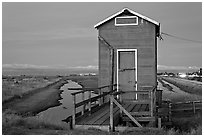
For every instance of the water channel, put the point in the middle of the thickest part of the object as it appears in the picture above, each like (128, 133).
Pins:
(57, 114)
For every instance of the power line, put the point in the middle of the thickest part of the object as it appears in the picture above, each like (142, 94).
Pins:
(170, 35)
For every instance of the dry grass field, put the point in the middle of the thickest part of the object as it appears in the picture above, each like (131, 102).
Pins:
(13, 123)
(18, 86)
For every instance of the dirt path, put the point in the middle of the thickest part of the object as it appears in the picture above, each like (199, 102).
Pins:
(38, 101)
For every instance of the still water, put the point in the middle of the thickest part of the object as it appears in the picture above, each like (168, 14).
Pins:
(59, 113)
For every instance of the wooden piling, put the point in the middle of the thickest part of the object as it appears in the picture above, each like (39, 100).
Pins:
(74, 111)
(111, 114)
(89, 105)
(83, 107)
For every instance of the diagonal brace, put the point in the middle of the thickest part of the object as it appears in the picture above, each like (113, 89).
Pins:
(126, 112)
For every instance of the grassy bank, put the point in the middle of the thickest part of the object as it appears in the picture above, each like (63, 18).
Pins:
(18, 86)
(36, 100)
(186, 86)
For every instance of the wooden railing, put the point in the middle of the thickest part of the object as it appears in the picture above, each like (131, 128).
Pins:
(151, 101)
(100, 98)
(187, 106)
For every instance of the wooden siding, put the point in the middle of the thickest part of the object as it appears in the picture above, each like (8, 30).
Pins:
(141, 37)
(104, 65)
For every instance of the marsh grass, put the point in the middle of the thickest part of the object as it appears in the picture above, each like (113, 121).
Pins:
(11, 120)
(18, 86)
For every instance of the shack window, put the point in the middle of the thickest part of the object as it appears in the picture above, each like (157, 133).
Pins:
(126, 20)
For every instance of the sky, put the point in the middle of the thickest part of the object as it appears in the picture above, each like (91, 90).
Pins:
(63, 34)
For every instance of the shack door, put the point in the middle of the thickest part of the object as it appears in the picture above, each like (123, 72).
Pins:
(127, 72)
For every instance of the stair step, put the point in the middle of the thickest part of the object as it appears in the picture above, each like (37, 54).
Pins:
(139, 118)
(137, 101)
(140, 113)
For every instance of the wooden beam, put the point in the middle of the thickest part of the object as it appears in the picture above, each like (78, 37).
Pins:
(137, 101)
(89, 105)
(140, 113)
(111, 114)
(83, 108)
(99, 101)
(93, 99)
(140, 119)
(127, 113)
(152, 103)
(74, 111)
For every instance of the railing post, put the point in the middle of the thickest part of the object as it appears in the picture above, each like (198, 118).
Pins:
(83, 107)
(111, 114)
(74, 111)
(152, 103)
(89, 107)
(99, 101)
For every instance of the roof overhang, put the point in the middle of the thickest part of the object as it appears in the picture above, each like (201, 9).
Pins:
(131, 11)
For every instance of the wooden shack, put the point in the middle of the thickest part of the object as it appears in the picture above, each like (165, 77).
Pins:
(132, 39)
(128, 55)
(127, 83)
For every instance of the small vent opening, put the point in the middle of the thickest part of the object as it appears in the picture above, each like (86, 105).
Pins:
(126, 20)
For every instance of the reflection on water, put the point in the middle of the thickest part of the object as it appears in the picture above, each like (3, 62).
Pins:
(57, 114)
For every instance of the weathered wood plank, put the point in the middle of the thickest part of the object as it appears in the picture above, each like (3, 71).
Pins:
(93, 98)
(136, 108)
(73, 112)
(128, 114)
(130, 108)
(137, 101)
(111, 114)
(96, 111)
(140, 113)
(105, 117)
(143, 107)
(116, 113)
(140, 118)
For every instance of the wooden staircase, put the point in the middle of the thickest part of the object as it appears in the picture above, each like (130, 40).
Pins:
(142, 109)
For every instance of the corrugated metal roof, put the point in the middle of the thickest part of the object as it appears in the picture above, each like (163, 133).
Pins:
(131, 11)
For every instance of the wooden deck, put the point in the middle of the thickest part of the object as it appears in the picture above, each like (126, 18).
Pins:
(112, 112)
(102, 116)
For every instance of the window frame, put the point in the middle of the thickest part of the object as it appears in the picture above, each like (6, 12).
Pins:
(125, 17)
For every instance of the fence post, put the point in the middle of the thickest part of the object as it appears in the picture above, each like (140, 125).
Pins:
(83, 107)
(194, 109)
(74, 111)
(111, 114)
(89, 103)
(170, 107)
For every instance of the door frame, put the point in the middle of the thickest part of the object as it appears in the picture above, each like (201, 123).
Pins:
(135, 50)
